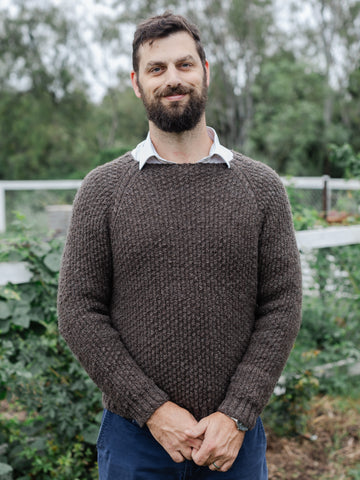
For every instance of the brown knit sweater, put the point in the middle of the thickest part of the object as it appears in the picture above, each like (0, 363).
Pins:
(182, 283)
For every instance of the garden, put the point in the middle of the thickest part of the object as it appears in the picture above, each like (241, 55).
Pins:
(284, 90)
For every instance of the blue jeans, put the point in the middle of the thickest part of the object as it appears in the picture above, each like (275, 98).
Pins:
(128, 452)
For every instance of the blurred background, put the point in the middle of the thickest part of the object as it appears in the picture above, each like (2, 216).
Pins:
(285, 90)
(285, 81)
(285, 84)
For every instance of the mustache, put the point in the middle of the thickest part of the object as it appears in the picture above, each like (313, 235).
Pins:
(178, 90)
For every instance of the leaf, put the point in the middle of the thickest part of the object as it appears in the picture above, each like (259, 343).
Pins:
(4, 311)
(38, 444)
(21, 316)
(4, 326)
(40, 249)
(90, 434)
(52, 261)
(23, 321)
(8, 293)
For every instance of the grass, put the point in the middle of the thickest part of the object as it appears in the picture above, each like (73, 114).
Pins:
(329, 450)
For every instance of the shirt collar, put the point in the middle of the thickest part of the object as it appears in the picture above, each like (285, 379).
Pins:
(145, 152)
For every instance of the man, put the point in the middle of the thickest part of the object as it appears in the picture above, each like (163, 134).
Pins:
(180, 288)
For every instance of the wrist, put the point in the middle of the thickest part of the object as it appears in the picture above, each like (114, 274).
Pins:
(239, 425)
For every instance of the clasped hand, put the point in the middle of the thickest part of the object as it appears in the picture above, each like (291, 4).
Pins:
(215, 439)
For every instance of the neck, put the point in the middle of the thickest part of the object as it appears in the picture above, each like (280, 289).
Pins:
(185, 147)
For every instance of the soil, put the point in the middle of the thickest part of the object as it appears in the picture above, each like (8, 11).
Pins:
(329, 450)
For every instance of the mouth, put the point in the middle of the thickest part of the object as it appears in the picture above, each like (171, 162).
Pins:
(175, 98)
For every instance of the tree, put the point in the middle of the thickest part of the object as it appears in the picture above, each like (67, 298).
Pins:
(331, 39)
(45, 112)
(289, 130)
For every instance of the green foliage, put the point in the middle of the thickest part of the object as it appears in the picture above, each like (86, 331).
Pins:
(40, 376)
(121, 119)
(43, 138)
(45, 115)
(267, 98)
(287, 412)
(329, 334)
(304, 217)
(345, 157)
(288, 129)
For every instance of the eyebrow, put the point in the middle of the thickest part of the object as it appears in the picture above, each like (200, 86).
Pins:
(187, 58)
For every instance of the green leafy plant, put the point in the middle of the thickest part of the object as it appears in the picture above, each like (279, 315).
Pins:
(304, 217)
(345, 157)
(39, 375)
(287, 411)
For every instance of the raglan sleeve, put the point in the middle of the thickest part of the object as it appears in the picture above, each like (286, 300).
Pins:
(84, 299)
(278, 306)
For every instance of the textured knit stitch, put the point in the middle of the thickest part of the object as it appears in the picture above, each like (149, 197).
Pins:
(182, 283)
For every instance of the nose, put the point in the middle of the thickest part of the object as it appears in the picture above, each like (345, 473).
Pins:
(172, 76)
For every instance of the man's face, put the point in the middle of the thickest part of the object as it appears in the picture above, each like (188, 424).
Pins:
(172, 82)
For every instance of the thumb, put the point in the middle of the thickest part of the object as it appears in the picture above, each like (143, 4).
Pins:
(196, 431)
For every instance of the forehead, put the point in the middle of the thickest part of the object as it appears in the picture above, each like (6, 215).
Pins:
(168, 49)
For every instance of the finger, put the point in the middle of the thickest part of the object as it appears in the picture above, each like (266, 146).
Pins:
(194, 443)
(177, 456)
(206, 454)
(216, 466)
(197, 431)
(226, 465)
(186, 453)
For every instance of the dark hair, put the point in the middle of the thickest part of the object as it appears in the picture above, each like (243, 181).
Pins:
(162, 26)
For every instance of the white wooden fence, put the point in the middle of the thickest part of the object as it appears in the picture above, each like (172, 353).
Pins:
(328, 237)
(325, 183)
(31, 185)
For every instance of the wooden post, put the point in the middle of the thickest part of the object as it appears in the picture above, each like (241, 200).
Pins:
(326, 195)
(2, 210)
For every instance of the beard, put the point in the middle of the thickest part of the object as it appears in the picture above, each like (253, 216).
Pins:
(176, 117)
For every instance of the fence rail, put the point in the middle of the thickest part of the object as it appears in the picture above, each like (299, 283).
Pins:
(324, 183)
(21, 185)
(317, 183)
(328, 237)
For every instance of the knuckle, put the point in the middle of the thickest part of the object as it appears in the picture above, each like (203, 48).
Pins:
(211, 448)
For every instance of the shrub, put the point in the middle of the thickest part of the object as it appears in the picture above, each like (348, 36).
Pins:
(40, 376)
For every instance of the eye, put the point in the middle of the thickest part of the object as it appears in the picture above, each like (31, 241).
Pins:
(156, 69)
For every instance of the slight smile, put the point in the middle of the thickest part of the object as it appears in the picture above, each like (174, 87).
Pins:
(175, 98)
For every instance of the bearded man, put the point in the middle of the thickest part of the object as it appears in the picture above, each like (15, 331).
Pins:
(180, 285)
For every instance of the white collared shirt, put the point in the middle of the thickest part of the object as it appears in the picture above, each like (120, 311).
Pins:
(145, 152)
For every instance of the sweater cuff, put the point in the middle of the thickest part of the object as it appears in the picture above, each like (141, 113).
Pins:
(140, 411)
(241, 409)
(153, 403)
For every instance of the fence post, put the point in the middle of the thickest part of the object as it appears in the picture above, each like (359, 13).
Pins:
(2, 209)
(326, 195)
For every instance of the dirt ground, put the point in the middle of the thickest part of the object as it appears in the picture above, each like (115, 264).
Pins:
(329, 450)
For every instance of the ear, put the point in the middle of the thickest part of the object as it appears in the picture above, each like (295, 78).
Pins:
(135, 85)
(207, 71)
